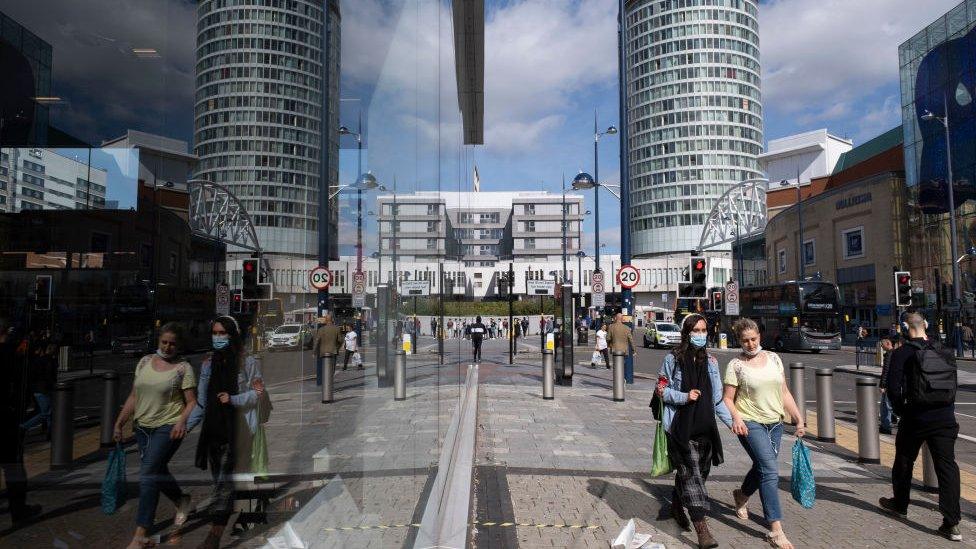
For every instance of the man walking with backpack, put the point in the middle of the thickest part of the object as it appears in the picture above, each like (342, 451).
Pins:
(922, 388)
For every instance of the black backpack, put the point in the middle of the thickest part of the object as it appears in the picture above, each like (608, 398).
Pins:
(932, 381)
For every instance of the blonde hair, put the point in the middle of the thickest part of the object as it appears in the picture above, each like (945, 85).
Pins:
(743, 324)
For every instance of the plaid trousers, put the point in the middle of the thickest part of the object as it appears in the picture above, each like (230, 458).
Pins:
(689, 482)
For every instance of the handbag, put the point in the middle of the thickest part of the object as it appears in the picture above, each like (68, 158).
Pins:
(113, 485)
(264, 407)
(803, 486)
(596, 358)
(660, 459)
(259, 452)
(357, 359)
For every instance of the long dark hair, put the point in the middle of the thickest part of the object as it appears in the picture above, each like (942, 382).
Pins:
(685, 349)
(236, 343)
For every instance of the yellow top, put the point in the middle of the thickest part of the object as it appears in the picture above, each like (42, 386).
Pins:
(759, 394)
(159, 395)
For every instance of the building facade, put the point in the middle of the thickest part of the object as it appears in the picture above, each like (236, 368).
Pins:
(480, 228)
(694, 114)
(266, 114)
(43, 179)
(937, 78)
(855, 232)
(26, 62)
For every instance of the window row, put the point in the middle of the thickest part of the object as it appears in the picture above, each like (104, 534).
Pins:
(250, 160)
(699, 102)
(310, 20)
(251, 132)
(698, 130)
(647, 18)
(258, 117)
(284, 222)
(222, 147)
(705, 145)
(277, 89)
(254, 73)
(241, 102)
(664, 221)
(686, 160)
(635, 85)
(696, 88)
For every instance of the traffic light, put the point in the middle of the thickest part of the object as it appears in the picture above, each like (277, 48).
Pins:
(237, 305)
(249, 279)
(717, 302)
(698, 269)
(503, 285)
(903, 289)
(42, 293)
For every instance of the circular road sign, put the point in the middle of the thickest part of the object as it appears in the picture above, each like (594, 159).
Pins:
(597, 287)
(320, 278)
(628, 277)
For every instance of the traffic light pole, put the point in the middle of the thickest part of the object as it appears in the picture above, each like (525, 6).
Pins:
(627, 296)
(511, 316)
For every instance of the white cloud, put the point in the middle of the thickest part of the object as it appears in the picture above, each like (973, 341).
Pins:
(822, 59)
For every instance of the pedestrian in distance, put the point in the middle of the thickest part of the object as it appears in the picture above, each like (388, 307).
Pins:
(162, 398)
(351, 346)
(327, 341)
(433, 327)
(43, 376)
(14, 396)
(602, 347)
(230, 389)
(922, 383)
(759, 400)
(620, 338)
(967, 339)
(888, 345)
(478, 332)
(516, 333)
(691, 389)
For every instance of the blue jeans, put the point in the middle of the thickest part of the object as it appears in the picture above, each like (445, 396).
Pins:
(155, 451)
(763, 444)
(43, 414)
(886, 413)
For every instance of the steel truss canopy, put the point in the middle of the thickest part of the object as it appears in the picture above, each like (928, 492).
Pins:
(741, 209)
(469, 64)
(216, 213)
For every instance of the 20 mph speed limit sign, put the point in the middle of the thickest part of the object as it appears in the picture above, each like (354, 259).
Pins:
(628, 277)
(320, 278)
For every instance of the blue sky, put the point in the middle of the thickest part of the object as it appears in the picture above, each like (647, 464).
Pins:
(548, 65)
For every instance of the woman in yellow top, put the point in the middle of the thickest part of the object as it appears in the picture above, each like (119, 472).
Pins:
(163, 395)
(757, 396)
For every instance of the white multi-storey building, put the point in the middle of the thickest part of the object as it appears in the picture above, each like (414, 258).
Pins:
(43, 179)
(266, 105)
(694, 114)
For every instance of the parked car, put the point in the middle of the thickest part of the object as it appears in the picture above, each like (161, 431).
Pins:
(662, 334)
(290, 336)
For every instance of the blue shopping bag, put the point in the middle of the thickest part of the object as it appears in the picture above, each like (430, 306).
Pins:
(803, 486)
(113, 486)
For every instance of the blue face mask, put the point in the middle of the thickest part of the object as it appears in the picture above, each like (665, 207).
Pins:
(699, 340)
(221, 341)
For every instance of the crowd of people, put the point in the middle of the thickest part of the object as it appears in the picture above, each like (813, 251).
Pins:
(753, 401)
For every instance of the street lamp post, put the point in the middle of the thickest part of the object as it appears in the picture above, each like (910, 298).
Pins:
(953, 236)
(611, 130)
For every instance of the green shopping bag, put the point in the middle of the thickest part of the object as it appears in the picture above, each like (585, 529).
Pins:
(661, 461)
(259, 453)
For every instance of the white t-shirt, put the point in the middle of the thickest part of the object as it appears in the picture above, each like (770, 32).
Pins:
(601, 339)
(351, 340)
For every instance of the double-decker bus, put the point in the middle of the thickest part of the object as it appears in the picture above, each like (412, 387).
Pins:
(796, 315)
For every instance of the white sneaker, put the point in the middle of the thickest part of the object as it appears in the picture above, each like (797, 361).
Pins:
(183, 509)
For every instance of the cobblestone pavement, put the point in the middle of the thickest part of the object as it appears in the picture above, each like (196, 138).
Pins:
(563, 473)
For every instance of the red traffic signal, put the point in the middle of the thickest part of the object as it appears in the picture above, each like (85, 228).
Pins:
(250, 266)
(698, 265)
(903, 289)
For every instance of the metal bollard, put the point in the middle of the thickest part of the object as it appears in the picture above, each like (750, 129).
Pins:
(63, 426)
(797, 372)
(825, 405)
(868, 440)
(110, 407)
(548, 374)
(326, 367)
(618, 376)
(400, 375)
(929, 479)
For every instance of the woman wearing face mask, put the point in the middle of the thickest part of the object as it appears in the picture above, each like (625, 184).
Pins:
(757, 395)
(230, 387)
(691, 388)
(161, 400)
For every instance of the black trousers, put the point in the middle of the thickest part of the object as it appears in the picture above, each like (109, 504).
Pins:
(476, 344)
(941, 440)
(12, 463)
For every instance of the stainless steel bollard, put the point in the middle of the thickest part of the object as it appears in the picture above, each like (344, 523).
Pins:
(929, 479)
(797, 372)
(825, 405)
(618, 376)
(328, 365)
(63, 426)
(110, 408)
(64, 358)
(400, 375)
(548, 374)
(868, 439)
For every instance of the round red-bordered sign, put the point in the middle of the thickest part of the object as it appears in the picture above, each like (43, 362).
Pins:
(628, 277)
(320, 278)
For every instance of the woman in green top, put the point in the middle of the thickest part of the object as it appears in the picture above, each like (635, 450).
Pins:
(757, 396)
(163, 395)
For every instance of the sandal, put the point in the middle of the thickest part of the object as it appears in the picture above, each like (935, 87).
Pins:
(739, 504)
(778, 540)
